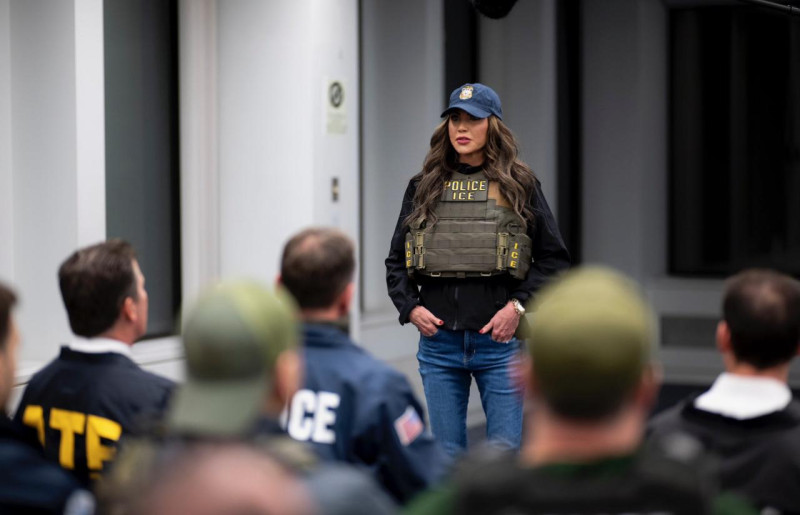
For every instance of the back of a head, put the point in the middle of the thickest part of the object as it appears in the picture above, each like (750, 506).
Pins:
(590, 343)
(316, 266)
(94, 283)
(8, 363)
(233, 338)
(762, 310)
(7, 301)
(230, 478)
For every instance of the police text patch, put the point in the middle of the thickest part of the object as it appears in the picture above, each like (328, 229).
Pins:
(466, 190)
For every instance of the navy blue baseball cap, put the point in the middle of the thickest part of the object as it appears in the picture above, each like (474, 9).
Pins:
(478, 100)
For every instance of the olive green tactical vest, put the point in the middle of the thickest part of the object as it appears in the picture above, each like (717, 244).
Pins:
(475, 235)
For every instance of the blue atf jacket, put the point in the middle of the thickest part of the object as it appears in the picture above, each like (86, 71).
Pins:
(31, 484)
(357, 409)
(81, 404)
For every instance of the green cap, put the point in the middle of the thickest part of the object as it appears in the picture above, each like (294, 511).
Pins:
(590, 341)
(232, 339)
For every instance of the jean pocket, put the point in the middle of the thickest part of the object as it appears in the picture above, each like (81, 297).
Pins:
(513, 340)
(426, 339)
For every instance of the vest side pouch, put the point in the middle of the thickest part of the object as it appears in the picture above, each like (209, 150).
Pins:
(409, 253)
(414, 250)
(519, 255)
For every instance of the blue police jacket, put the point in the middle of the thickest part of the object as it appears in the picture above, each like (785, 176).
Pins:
(357, 409)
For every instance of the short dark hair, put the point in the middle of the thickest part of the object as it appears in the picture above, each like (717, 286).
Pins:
(317, 265)
(762, 310)
(7, 301)
(94, 282)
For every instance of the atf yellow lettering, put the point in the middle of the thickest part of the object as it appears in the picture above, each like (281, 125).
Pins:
(69, 423)
(96, 452)
(34, 417)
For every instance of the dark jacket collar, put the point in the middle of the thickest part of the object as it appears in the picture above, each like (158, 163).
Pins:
(91, 357)
(325, 334)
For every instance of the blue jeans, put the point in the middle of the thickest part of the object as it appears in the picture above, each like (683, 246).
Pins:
(447, 362)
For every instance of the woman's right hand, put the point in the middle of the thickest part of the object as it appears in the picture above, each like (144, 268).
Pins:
(425, 321)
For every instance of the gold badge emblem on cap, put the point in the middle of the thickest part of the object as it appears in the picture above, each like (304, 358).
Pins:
(466, 93)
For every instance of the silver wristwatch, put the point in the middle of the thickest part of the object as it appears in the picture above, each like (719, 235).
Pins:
(518, 307)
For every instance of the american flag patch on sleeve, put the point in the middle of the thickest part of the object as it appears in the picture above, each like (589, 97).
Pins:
(408, 426)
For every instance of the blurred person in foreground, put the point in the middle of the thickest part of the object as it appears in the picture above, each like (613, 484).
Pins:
(352, 407)
(748, 417)
(28, 482)
(591, 383)
(223, 478)
(241, 370)
(93, 393)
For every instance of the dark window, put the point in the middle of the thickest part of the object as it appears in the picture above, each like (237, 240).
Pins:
(142, 149)
(735, 143)
(460, 45)
(569, 109)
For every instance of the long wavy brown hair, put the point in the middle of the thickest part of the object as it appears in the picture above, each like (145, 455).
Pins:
(501, 164)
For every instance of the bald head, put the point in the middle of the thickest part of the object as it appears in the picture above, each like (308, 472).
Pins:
(317, 266)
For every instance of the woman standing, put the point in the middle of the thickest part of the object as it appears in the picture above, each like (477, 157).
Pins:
(474, 240)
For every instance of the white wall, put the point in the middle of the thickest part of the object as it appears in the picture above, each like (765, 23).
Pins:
(335, 51)
(200, 235)
(276, 159)
(57, 155)
(403, 81)
(265, 131)
(517, 58)
(6, 175)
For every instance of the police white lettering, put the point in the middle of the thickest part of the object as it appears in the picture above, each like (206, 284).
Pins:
(300, 426)
(312, 415)
(325, 417)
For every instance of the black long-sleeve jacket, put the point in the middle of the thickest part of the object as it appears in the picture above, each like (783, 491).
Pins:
(471, 302)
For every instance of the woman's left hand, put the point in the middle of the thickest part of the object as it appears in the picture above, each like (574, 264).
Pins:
(503, 324)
